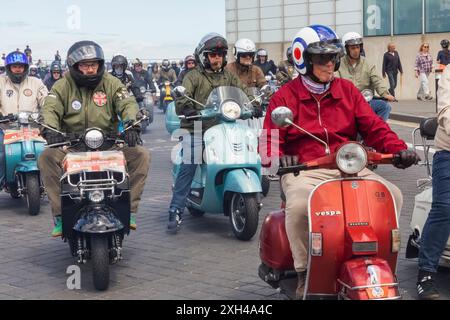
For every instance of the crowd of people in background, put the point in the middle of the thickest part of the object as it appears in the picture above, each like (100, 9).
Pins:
(283, 72)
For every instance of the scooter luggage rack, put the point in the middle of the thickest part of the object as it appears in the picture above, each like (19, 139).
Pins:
(84, 184)
(395, 284)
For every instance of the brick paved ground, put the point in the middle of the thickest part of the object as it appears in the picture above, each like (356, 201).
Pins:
(204, 261)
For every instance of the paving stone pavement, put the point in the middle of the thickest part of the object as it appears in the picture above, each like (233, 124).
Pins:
(204, 261)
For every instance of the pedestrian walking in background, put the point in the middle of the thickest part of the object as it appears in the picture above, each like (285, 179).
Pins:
(443, 57)
(423, 68)
(391, 66)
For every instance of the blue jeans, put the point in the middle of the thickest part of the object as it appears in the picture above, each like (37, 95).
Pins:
(381, 108)
(392, 82)
(437, 228)
(192, 157)
(2, 159)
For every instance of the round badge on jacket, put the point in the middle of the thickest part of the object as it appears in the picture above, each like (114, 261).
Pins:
(27, 92)
(76, 105)
(100, 99)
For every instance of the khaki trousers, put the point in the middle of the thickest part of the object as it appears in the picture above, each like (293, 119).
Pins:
(297, 191)
(50, 165)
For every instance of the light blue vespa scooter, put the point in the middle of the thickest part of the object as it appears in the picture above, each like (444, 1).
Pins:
(229, 181)
(171, 118)
(23, 145)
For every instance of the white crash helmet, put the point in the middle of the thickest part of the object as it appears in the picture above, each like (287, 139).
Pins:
(244, 46)
(313, 40)
(352, 39)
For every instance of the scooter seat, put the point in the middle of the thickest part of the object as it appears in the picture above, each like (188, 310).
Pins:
(428, 128)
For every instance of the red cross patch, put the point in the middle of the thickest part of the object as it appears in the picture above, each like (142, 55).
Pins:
(100, 99)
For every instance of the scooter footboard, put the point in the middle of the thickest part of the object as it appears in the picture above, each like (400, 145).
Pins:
(367, 279)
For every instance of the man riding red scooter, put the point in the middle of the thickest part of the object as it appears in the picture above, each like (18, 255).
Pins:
(330, 112)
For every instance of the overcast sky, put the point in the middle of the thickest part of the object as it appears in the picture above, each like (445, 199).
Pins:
(136, 28)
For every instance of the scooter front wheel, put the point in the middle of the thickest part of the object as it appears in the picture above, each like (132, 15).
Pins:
(100, 261)
(33, 194)
(244, 215)
(265, 185)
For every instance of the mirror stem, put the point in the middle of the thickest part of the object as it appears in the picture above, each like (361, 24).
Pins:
(327, 148)
(189, 98)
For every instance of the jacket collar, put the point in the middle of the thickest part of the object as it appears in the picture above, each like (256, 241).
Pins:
(303, 93)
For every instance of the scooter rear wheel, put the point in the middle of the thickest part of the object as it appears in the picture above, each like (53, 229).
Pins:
(33, 194)
(243, 210)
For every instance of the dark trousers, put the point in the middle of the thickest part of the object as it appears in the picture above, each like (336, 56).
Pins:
(392, 82)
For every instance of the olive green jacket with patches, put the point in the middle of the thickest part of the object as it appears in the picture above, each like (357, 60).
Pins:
(364, 76)
(72, 109)
(199, 84)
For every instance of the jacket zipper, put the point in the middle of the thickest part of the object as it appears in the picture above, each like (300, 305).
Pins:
(320, 118)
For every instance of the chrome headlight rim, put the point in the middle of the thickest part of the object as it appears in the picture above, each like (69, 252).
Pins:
(94, 142)
(367, 94)
(96, 196)
(227, 113)
(346, 155)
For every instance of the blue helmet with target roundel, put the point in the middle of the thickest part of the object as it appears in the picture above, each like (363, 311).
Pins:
(312, 40)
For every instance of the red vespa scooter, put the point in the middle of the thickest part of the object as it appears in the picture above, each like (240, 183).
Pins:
(354, 237)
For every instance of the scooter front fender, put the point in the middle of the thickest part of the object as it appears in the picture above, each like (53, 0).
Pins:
(242, 181)
(26, 166)
(98, 220)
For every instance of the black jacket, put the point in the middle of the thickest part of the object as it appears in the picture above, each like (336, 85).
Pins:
(391, 63)
(268, 66)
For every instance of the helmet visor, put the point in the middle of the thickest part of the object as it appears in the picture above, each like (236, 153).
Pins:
(88, 52)
(326, 47)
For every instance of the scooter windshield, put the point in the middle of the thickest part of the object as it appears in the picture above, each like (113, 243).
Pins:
(221, 95)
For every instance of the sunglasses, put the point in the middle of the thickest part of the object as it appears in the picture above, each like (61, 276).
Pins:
(214, 54)
(323, 59)
(247, 55)
(426, 46)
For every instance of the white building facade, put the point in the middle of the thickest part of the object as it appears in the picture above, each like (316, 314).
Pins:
(272, 24)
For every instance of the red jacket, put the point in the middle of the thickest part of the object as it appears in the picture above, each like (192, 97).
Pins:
(335, 117)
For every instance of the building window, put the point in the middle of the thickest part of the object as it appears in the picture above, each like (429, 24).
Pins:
(377, 17)
(408, 16)
(437, 13)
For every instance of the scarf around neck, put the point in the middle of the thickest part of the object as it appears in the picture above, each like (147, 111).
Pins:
(315, 87)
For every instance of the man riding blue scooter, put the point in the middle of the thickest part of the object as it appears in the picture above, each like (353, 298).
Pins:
(19, 93)
(211, 54)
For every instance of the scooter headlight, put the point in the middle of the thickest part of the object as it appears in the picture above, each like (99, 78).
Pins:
(231, 110)
(96, 196)
(367, 94)
(94, 139)
(24, 118)
(351, 158)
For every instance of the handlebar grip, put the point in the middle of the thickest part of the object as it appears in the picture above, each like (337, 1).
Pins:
(295, 170)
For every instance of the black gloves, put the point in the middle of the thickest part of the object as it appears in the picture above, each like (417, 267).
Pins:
(258, 111)
(189, 112)
(133, 137)
(289, 161)
(405, 159)
(52, 137)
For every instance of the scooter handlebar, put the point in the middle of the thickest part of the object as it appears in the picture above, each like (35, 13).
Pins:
(294, 169)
